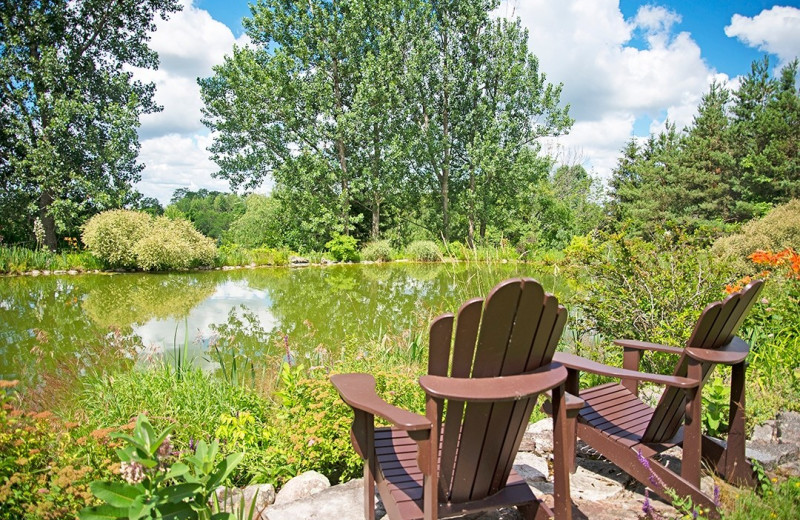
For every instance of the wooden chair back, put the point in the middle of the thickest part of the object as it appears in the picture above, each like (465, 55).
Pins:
(515, 330)
(716, 328)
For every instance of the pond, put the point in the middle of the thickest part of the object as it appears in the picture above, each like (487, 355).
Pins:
(57, 328)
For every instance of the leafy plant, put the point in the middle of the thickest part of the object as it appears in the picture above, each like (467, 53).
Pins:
(716, 402)
(424, 251)
(380, 251)
(154, 486)
(112, 235)
(343, 248)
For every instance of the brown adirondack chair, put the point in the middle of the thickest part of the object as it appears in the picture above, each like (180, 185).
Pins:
(623, 429)
(458, 458)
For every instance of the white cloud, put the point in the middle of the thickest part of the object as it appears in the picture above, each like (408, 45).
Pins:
(175, 161)
(174, 141)
(776, 31)
(588, 46)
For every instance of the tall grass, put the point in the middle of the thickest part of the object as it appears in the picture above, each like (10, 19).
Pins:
(18, 260)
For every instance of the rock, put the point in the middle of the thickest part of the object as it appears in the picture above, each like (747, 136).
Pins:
(342, 502)
(298, 260)
(788, 427)
(35, 272)
(302, 486)
(72, 271)
(59, 271)
(327, 261)
(232, 500)
(538, 437)
(771, 455)
(45, 272)
(764, 432)
(531, 467)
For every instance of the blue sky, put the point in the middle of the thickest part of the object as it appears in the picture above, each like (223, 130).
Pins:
(626, 66)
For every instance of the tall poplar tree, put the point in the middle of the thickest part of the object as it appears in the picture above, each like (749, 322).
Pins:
(68, 107)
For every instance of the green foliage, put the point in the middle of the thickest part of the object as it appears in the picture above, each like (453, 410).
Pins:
(263, 223)
(380, 251)
(46, 465)
(71, 108)
(651, 291)
(18, 260)
(211, 212)
(716, 401)
(362, 130)
(343, 248)
(734, 162)
(155, 485)
(779, 502)
(775, 231)
(424, 251)
(173, 244)
(112, 235)
(319, 437)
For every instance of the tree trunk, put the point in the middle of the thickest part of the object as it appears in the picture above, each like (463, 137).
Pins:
(471, 232)
(376, 220)
(48, 221)
(337, 92)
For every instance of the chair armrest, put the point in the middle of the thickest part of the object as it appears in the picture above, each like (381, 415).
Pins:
(502, 388)
(573, 402)
(358, 390)
(734, 352)
(585, 365)
(644, 345)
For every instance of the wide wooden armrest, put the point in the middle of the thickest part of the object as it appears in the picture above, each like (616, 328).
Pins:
(503, 388)
(644, 345)
(358, 390)
(585, 365)
(734, 352)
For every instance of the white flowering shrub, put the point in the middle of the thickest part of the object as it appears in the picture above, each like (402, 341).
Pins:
(174, 244)
(130, 239)
(112, 235)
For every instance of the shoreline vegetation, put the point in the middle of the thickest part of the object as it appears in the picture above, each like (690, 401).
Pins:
(620, 286)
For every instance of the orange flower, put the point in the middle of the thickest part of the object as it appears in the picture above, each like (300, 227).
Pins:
(761, 257)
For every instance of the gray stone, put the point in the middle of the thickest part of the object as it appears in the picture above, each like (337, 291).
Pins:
(72, 271)
(538, 437)
(771, 455)
(298, 260)
(788, 427)
(232, 500)
(532, 468)
(302, 486)
(342, 502)
(764, 432)
(327, 261)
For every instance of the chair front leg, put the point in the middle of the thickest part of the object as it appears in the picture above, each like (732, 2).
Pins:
(563, 455)
(692, 434)
(363, 436)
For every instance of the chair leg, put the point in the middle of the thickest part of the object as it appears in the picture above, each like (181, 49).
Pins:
(563, 455)
(737, 469)
(692, 435)
(369, 490)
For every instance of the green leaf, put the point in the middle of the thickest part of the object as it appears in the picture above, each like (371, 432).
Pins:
(114, 493)
(175, 494)
(177, 470)
(103, 512)
(223, 516)
(224, 469)
(178, 511)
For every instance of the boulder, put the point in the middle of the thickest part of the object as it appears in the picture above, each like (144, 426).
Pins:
(302, 486)
(538, 437)
(342, 502)
(298, 260)
(232, 500)
(788, 427)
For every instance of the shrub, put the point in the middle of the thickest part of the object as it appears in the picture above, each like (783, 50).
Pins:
(112, 235)
(424, 251)
(779, 229)
(46, 465)
(173, 244)
(651, 291)
(343, 248)
(380, 251)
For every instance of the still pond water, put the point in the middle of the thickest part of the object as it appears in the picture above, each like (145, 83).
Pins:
(61, 326)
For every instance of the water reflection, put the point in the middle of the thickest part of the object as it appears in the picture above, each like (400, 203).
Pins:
(78, 323)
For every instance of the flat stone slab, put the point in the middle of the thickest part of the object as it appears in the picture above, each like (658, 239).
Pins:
(341, 502)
